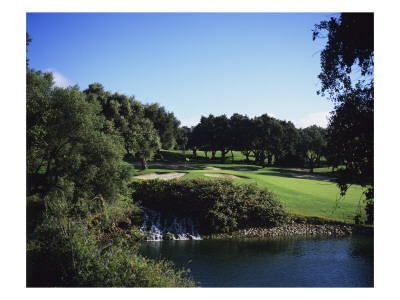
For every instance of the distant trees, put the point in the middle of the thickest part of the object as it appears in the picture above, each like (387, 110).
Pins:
(289, 154)
(203, 136)
(312, 144)
(264, 137)
(182, 139)
(242, 136)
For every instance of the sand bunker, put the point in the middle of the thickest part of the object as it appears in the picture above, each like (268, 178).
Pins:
(310, 176)
(166, 176)
(237, 169)
(243, 169)
(223, 175)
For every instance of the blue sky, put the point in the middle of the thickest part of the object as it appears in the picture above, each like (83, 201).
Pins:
(193, 64)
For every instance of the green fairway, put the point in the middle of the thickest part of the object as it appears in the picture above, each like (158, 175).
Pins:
(302, 196)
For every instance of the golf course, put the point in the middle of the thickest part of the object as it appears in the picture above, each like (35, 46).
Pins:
(199, 150)
(304, 195)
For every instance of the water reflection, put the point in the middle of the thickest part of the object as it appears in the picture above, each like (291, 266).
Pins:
(273, 261)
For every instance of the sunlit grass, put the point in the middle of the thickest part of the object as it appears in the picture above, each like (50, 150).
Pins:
(304, 197)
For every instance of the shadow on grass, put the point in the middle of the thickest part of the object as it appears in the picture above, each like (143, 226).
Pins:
(277, 172)
(180, 157)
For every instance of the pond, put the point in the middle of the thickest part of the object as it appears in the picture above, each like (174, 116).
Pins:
(296, 261)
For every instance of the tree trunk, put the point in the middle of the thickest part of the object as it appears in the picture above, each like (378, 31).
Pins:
(318, 160)
(144, 163)
(269, 159)
(213, 154)
(247, 154)
(223, 154)
(158, 155)
(262, 159)
(311, 164)
(195, 153)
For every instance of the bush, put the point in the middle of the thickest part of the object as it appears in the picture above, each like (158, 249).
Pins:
(218, 205)
(71, 249)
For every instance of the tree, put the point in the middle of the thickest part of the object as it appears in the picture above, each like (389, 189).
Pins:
(223, 135)
(28, 40)
(349, 53)
(266, 139)
(38, 101)
(274, 136)
(289, 154)
(241, 134)
(147, 141)
(350, 47)
(312, 144)
(351, 131)
(203, 135)
(67, 148)
(182, 140)
(126, 117)
(166, 124)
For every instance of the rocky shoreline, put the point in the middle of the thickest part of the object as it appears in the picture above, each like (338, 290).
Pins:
(297, 229)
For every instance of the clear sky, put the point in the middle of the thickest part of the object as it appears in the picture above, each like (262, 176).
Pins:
(193, 64)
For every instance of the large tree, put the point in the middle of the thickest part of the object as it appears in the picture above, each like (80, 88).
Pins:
(223, 135)
(182, 140)
(165, 123)
(349, 54)
(67, 147)
(126, 117)
(204, 136)
(266, 138)
(242, 133)
(312, 144)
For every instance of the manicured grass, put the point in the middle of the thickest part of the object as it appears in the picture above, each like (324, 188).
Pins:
(303, 197)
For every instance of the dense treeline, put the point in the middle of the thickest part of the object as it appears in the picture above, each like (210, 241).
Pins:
(266, 138)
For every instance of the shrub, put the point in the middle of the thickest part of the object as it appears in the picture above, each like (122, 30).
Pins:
(218, 205)
(71, 249)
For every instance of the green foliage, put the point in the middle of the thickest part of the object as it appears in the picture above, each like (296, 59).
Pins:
(67, 143)
(165, 123)
(312, 145)
(80, 246)
(267, 138)
(126, 117)
(350, 46)
(38, 100)
(182, 140)
(349, 53)
(264, 136)
(28, 40)
(302, 196)
(218, 205)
